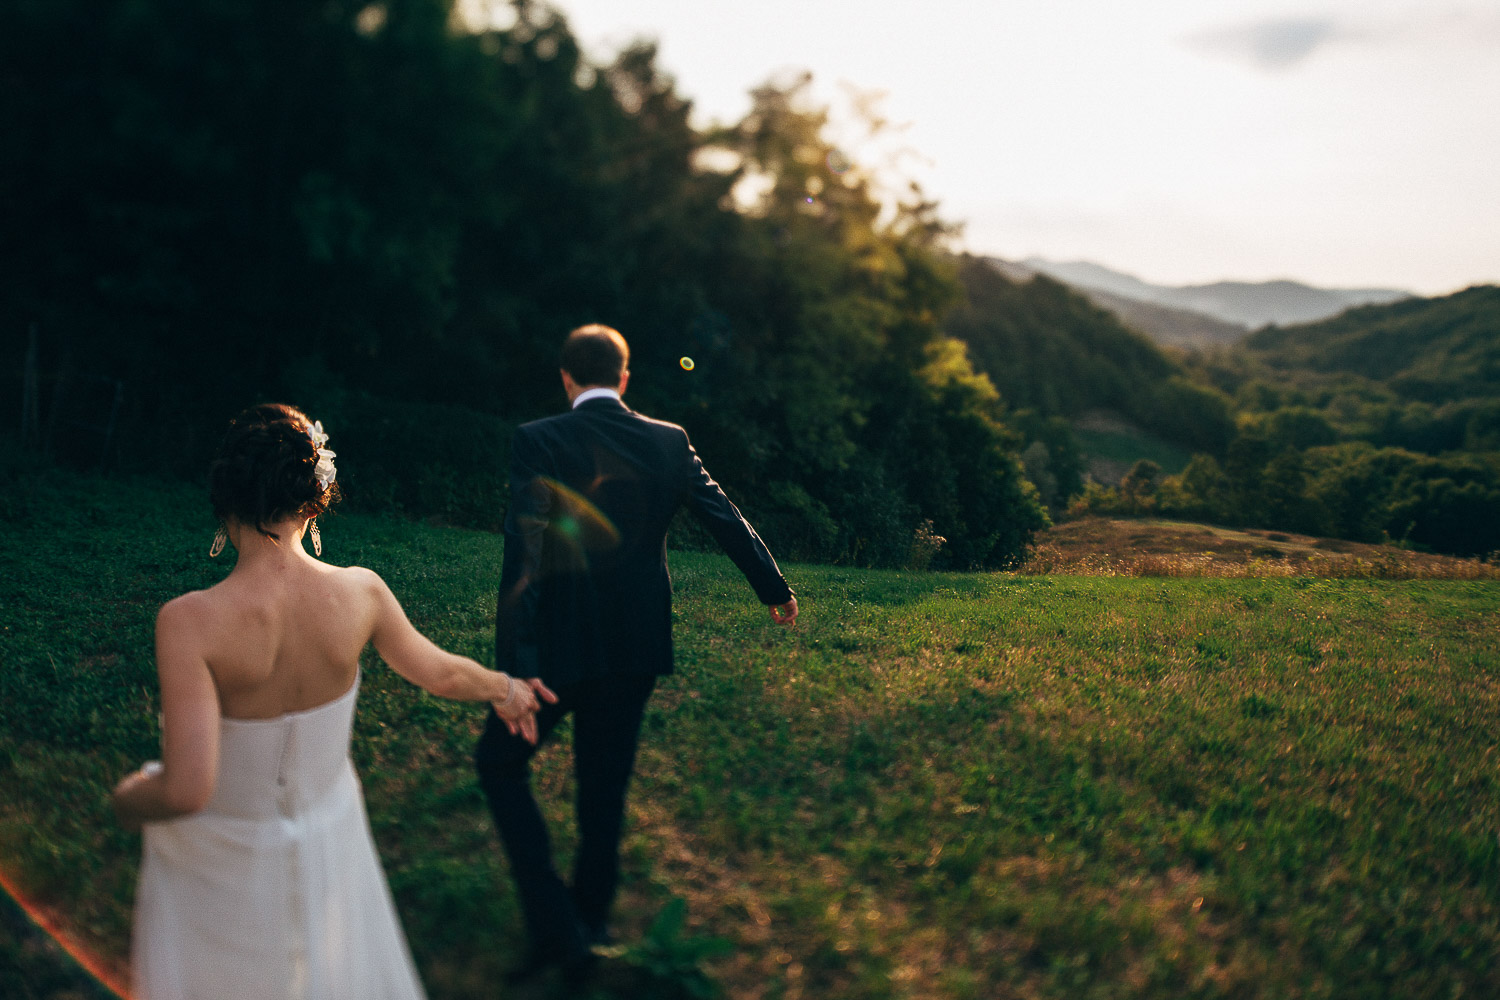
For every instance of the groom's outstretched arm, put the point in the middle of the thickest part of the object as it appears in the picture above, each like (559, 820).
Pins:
(520, 572)
(737, 538)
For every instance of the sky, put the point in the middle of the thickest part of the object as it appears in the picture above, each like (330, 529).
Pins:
(1344, 144)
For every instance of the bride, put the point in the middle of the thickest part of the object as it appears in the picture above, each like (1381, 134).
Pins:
(259, 877)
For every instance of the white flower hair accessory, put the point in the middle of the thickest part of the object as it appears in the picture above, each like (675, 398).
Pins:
(325, 473)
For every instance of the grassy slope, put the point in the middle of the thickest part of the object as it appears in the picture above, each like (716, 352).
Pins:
(936, 786)
(1097, 546)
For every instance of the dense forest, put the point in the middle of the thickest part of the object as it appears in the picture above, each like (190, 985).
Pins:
(391, 217)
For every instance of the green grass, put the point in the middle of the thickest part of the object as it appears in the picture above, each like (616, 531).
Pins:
(934, 786)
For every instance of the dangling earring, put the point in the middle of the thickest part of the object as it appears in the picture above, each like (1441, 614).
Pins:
(312, 529)
(221, 539)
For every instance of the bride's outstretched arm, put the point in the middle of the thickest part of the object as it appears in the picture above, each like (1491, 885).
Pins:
(184, 782)
(448, 675)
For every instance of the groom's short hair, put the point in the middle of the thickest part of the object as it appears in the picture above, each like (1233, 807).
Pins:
(595, 355)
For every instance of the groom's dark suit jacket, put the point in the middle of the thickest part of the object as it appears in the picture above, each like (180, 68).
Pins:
(584, 588)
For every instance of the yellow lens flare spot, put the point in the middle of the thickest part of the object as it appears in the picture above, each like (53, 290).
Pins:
(686, 363)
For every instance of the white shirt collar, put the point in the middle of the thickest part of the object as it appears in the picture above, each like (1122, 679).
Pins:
(598, 392)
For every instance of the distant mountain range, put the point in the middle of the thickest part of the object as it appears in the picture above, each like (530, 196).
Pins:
(1199, 315)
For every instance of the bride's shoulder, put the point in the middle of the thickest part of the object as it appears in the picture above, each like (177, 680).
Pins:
(188, 613)
(350, 574)
(356, 578)
(188, 605)
(359, 588)
(201, 603)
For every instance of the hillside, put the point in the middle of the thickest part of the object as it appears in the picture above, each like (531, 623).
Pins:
(1249, 304)
(1164, 547)
(1167, 326)
(1434, 350)
(1048, 348)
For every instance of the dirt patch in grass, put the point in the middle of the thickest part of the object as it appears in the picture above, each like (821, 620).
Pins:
(1118, 547)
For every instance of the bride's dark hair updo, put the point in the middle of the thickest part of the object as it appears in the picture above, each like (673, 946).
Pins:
(264, 471)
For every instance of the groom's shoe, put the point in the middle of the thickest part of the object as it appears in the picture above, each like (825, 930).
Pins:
(578, 970)
(534, 964)
(576, 967)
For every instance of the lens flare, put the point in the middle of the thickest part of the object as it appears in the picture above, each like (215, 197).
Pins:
(686, 363)
(48, 924)
(580, 531)
(837, 161)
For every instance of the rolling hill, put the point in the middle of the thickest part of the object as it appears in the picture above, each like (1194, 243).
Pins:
(1248, 304)
(1167, 326)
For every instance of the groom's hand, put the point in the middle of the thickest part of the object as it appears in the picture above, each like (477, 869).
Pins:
(784, 614)
(542, 691)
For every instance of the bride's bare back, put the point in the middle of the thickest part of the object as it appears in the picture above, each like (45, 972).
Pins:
(283, 638)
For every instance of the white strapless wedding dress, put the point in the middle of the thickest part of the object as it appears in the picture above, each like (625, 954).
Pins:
(274, 890)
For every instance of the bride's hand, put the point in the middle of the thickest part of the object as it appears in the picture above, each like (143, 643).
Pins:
(120, 799)
(519, 707)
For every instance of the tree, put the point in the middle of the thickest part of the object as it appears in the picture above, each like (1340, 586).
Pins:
(1139, 484)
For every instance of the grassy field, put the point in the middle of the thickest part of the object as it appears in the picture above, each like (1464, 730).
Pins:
(1098, 546)
(935, 786)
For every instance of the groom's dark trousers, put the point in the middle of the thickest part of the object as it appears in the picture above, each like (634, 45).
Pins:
(585, 604)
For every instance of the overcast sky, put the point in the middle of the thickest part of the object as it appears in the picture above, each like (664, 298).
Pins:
(1346, 143)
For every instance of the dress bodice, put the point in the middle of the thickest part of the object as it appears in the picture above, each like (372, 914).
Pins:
(287, 765)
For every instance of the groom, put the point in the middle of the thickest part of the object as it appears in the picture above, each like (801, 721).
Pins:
(585, 609)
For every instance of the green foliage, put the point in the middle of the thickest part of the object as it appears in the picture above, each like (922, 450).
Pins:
(1353, 491)
(371, 209)
(1433, 350)
(422, 459)
(674, 957)
(848, 381)
(937, 784)
(1376, 425)
(1049, 349)
(1421, 374)
(1297, 427)
(1127, 445)
(1141, 481)
(1056, 458)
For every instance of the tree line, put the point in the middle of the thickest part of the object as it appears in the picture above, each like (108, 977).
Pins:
(391, 218)
(1380, 424)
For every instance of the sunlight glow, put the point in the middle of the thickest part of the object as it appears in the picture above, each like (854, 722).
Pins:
(1185, 140)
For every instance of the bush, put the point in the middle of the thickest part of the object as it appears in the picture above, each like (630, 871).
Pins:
(796, 525)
